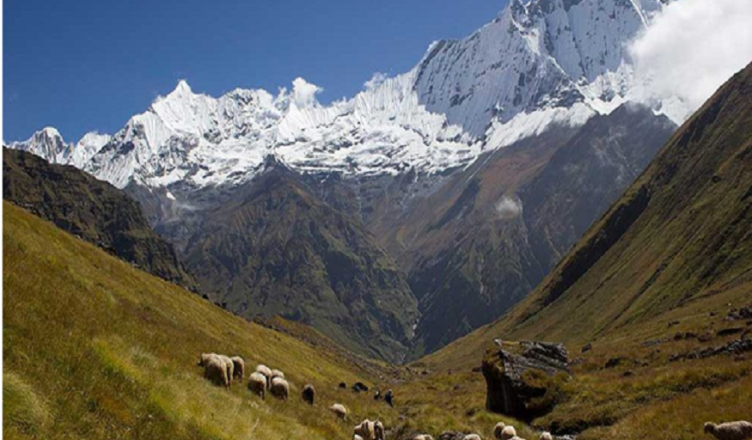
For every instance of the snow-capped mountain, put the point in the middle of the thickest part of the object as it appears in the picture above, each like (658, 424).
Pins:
(538, 63)
(49, 144)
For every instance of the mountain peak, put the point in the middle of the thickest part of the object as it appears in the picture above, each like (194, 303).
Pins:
(50, 132)
(182, 87)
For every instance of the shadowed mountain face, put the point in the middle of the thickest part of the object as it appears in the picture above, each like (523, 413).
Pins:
(276, 249)
(680, 236)
(91, 209)
(365, 260)
(519, 213)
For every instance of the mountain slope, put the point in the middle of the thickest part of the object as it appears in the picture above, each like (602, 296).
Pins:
(431, 162)
(521, 215)
(679, 239)
(93, 210)
(276, 249)
(122, 347)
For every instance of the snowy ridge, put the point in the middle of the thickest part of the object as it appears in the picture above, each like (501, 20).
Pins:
(538, 63)
(49, 144)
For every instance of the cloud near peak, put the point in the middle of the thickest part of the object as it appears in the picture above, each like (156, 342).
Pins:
(691, 48)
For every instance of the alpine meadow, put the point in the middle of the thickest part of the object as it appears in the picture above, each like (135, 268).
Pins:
(542, 230)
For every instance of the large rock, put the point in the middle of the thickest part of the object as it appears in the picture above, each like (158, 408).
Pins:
(525, 380)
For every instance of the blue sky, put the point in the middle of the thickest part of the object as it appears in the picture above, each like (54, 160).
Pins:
(83, 65)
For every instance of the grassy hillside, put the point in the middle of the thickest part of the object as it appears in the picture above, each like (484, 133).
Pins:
(656, 280)
(91, 209)
(96, 349)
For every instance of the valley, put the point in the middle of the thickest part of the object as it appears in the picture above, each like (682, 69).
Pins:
(511, 231)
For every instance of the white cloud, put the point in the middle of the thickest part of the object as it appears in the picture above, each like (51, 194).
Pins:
(692, 48)
(375, 80)
(304, 93)
(508, 208)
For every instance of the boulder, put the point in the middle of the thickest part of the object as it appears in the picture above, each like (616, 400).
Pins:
(525, 380)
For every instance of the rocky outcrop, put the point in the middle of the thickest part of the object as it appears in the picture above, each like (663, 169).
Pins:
(524, 380)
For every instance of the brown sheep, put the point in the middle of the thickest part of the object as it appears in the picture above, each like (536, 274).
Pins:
(257, 384)
(238, 366)
(741, 430)
(280, 388)
(309, 393)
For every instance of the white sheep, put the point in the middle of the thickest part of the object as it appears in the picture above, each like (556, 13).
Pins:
(280, 388)
(216, 371)
(546, 436)
(238, 365)
(266, 371)
(229, 366)
(471, 437)
(357, 437)
(257, 384)
(508, 433)
(339, 410)
(498, 429)
(741, 430)
(422, 437)
(365, 429)
(277, 373)
(378, 430)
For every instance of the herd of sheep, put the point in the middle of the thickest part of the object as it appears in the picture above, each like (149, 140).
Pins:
(221, 370)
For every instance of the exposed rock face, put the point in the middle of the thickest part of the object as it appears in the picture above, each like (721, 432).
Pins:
(522, 378)
(93, 210)
(274, 248)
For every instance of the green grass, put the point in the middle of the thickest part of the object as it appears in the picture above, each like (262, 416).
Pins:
(96, 349)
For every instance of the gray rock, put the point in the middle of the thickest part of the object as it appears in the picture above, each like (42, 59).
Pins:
(509, 390)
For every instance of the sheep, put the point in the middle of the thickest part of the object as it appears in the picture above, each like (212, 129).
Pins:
(546, 436)
(309, 392)
(266, 371)
(257, 384)
(508, 433)
(741, 430)
(422, 437)
(204, 358)
(216, 371)
(365, 429)
(277, 373)
(378, 430)
(238, 365)
(280, 388)
(229, 366)
(339, 410)
(471, 437)
(498, 430)
(357, 437)
(388, 396)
